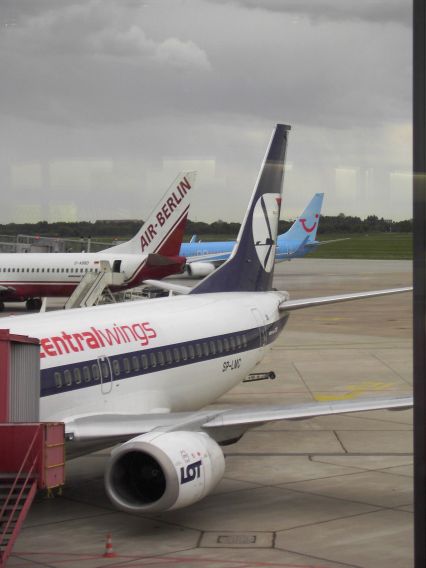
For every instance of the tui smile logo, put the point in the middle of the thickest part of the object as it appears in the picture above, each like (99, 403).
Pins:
(265, 224)
(312, 227)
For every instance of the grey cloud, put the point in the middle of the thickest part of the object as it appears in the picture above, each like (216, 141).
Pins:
(99, 27)
(124, 83)
(376, 11)
(133, 42)
(181, 54)
(91, 62)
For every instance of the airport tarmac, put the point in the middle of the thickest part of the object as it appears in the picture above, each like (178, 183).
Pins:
(326, 492)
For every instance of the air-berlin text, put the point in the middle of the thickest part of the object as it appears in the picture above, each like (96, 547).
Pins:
(166, 210)
(96, 338)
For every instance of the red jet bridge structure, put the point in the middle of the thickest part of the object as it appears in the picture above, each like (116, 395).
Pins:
(32, 453)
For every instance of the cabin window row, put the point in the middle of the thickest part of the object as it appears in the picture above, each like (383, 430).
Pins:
(57, 270)
(161, 358)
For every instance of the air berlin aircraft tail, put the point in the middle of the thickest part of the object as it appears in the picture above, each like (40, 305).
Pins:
(306, 225)
(162, 232)
(159, 266)
(251, 265)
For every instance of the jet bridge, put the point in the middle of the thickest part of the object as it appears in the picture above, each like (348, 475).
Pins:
(93, 286)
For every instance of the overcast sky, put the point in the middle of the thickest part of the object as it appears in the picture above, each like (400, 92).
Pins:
(103, 102)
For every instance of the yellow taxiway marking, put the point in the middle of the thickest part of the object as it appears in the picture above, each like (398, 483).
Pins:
(329, 319)
(354, 391)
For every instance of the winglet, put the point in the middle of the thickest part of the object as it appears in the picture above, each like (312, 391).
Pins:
(251, 265)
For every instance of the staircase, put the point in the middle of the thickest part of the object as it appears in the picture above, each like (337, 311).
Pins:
(17, 491)
(16, 495)
(31, 458)
(92, 286)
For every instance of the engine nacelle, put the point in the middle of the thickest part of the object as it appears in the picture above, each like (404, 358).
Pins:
(162, 471)
(199, 269)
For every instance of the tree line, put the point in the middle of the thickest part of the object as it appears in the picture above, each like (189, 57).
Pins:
(126, 228)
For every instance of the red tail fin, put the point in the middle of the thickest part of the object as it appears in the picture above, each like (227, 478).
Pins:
(172, 242)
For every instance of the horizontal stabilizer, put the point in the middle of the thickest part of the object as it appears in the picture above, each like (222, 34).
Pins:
(161, 260)
(215, 257)
(290, 305)
(168, 286)
(302, 245)
(318, 243)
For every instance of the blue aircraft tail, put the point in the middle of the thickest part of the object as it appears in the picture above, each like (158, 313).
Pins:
(250, 267)
(305, 226)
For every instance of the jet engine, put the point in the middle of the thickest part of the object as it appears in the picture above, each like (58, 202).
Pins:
(162, 471)
(199, 269)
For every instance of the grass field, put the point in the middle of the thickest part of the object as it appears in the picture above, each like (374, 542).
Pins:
(380, 246)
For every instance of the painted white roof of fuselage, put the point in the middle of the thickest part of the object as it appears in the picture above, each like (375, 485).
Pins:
(159, 309)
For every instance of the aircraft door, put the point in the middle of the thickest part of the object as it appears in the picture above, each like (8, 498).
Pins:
(105, 371)
(260, 322)
(116, 266)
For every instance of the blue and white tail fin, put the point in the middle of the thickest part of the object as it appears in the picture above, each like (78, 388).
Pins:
(162, 232)
(251, 265)
(305, 226)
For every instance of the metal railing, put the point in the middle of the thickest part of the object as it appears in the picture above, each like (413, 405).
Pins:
(29, 478)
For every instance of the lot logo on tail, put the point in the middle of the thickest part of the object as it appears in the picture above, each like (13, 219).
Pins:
(305, 227)
(265, 223)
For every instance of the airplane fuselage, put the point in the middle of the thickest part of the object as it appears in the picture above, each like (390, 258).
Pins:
(286, 249)
(32, 275)
(161, 355)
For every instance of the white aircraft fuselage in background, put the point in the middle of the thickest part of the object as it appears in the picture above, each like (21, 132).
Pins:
(33, 275)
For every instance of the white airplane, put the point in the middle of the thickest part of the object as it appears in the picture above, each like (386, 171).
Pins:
(141, 372)
(152, 253)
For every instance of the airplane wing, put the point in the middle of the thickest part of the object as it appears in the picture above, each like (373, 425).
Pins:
(168, 286)
(98, 426)
(291, 305)
(214, 257)
(252, 416)
(224, 425)
(155, 259)
(229, 424)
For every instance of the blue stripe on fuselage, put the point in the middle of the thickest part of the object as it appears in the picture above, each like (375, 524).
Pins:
(254, 338)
